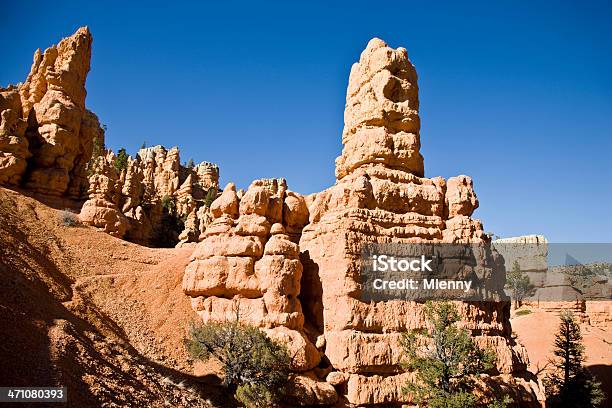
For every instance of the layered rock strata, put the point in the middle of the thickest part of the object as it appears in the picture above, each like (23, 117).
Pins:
(381, 197)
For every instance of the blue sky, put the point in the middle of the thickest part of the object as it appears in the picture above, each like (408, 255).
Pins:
(517, 96)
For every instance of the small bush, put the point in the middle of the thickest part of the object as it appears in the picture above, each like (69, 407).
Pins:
(68, 218)
(168, 204)
(255, 368)
(523, 312)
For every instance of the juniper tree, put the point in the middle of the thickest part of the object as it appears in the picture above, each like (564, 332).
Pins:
(445, 359)
(166, 235)
(569, 384)
(211, 195)
(255, 368)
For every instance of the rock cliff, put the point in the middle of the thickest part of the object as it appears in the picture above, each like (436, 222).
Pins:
(46, 131)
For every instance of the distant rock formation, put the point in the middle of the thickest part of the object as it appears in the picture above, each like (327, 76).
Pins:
(153, 194)
(583, 289)
(249, 255)
(47, 138)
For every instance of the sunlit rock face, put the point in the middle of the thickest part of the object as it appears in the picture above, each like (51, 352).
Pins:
(248, 263)
(381, 196)
(46, 133)
(53, 100)
(291, 264)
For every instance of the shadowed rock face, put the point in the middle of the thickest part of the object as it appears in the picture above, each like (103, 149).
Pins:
(380, 196)
(14, 150)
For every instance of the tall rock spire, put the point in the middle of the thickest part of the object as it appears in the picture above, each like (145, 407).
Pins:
(381, 118)
(48, 124)
(381, 198)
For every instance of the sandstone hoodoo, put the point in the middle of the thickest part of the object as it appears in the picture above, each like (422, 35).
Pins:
(46, 131)
(249, 256)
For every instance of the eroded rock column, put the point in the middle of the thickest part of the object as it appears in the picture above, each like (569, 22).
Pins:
(382, 197)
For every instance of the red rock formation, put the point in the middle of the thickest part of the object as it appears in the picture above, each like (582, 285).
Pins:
(381, 197)
(46, 143)
(101, 210)
(249, 262)
(53, 99)
(44, 120)
(150, 181)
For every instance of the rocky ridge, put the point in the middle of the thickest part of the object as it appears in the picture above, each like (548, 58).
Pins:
(47, 138)
(153, 199)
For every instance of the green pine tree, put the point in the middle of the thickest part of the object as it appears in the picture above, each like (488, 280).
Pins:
(211, 196)
(121, 161)
(570, 385)
(446, 360)
(190, 164)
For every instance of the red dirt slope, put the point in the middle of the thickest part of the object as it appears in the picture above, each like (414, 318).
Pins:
(99, 315)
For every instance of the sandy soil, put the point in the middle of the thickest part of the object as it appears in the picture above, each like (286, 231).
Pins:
(102, 316)
(536, 331)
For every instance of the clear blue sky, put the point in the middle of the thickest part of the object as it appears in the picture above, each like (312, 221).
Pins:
(517, 96)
